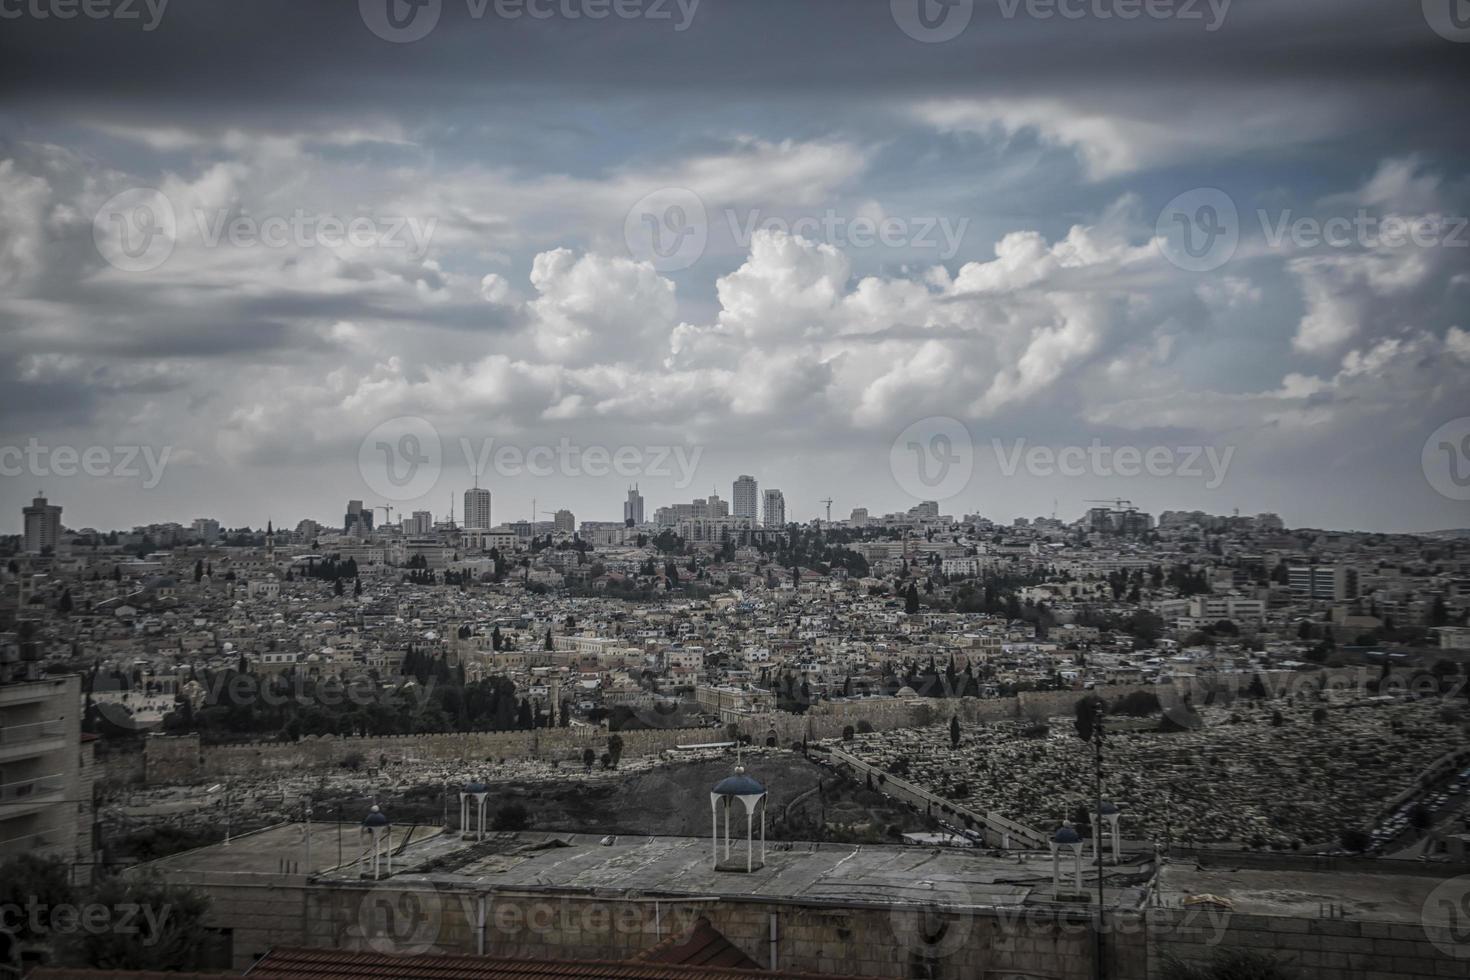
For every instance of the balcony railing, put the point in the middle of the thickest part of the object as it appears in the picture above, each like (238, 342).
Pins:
(23, 790)
(36, 730)
(41, 838)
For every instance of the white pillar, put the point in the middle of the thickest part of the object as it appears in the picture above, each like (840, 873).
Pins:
(727, 828)
(1056, 868)
(1117, 839)
(763, 830)
(749, 840)
(1077, 858)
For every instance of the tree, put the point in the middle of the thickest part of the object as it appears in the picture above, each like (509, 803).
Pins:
(1089, 712)
(172, 939)
(615, 749)
(847, 733)
(954, 731)
(588, 758)
(31, 878)
(911, 600)
(1355, 840)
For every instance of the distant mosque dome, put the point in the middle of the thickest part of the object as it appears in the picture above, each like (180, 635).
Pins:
(475, 787)
(1107, 809)
(375, 818)
(907, 692)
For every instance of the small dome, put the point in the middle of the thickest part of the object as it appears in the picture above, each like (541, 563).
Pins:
(476, 787)
(907, 692)
(1066, 835)
(376, 818)
(739, 785)
(1107, 809)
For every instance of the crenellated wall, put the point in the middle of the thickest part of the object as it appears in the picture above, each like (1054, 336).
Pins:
(181, 758)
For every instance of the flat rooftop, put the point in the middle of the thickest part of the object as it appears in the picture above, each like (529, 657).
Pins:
(802, 871)
(263, 851)
(1364, 896)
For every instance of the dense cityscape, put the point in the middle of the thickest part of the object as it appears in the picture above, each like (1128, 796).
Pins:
(734, 489)
(941, 679)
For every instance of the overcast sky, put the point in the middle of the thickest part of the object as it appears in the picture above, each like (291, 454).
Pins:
(866, 218)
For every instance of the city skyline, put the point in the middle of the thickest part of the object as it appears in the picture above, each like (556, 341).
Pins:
(982, 227)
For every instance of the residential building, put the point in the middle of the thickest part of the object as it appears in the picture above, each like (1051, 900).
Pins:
(775, 509)
(43, 526)
(1324, 583)
(477, 509)
(744, 498)
(45, 804)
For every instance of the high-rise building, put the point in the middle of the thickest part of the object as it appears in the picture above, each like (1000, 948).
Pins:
(925, 510)
(43, 526)
(477, 509)
(745, 498)
(859, 517)
(717, 507)
(565, 521)
(357, 522)
(421, 523)
(206, 529)
(775, 509)
(633, 507)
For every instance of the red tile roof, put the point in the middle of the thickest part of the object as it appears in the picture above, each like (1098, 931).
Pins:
(85, 973)
(702, 945)
(329, 964)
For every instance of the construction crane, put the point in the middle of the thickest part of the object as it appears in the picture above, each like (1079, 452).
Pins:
(385, 508)
(828, 502)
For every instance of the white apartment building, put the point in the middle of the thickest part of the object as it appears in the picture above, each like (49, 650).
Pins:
(1213, 608)
(477, 509)
(45, 787)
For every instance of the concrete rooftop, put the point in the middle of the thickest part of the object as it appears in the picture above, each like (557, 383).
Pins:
(805, 871)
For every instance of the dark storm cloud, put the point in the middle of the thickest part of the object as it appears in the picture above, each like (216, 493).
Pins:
(272, 57)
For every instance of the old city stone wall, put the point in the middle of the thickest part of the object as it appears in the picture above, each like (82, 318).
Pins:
(828, 719)
(182, 759)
